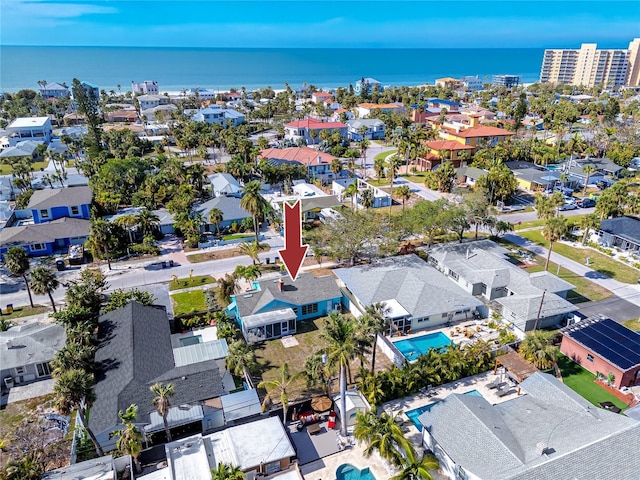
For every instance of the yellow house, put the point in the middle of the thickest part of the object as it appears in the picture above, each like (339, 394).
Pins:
(476, 135)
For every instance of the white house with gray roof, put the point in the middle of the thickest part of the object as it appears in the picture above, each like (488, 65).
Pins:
(481, 268)
(224, 184)
(373, 128)
(418, 295)
(551, 433)
(231, 210)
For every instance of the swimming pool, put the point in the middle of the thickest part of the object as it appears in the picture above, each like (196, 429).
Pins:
(416, 346)
(416, 412)
(346, 471)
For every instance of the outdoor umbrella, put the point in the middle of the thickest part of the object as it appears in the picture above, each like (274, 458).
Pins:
(321, 404)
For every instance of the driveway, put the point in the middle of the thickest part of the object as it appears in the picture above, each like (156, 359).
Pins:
(614, 307)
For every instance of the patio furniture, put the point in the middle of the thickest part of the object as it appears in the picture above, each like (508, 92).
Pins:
(314, 429)
(607, 405)
(615, 409)
(331, 423)
(503, 391)
(307, 418)
(493, 384)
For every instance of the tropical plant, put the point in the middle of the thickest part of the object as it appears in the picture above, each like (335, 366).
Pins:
(241, 359)
(227, 286)
(382, 434)
(404, 193)
(215, 217)
(280, 385)
(129, 437)
(17, 262)
(317, 371)
(414, 467)
(120, 298)
(254, 203)
(226, 472)
(252, 250)
(100, 235)
(588, 170)
(554, 229)
(44, 282)
(378, 322)
(538, 348)
(162, 402)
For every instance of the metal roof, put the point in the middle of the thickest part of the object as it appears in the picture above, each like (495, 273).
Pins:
(267, 318)
(241, 404)
(200, 352)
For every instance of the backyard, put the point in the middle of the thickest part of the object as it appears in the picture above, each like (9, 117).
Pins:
(188, 302)
(188, 282)
(583, 382)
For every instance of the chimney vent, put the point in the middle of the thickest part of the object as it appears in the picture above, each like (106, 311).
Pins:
(9, 344)
(541, 448)
(280, 285)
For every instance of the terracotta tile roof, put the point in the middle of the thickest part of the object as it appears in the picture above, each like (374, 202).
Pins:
(303, 155)
(312, 124)
(482, 131)
(448, 145)
(322, 95)
(372, 106)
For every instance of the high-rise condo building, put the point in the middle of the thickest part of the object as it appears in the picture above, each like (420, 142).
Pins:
(590, 66)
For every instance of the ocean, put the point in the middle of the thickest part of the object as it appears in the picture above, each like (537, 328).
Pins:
(224, 68)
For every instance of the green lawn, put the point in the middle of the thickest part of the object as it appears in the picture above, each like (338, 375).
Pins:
(531, 224)
(383, 182)
(384, 155)
(237, 236)
(6, 169)
(633, 324)
(19, 312)
(583, 382)
(191, 282)
(188, 302)
(599, 262)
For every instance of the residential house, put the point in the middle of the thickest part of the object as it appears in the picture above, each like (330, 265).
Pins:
(549, 433)
(604, 346)
(194, 457)
(273, 307)
(224, 184)
(620, 232)
(471, 83)
(317, 164)
(321, 97)
(368, 85)
(508, 81)
(536, 300)
(364, 110)
(381, 198)
(476, 135)
(8, 190)
(45, 238)
(30, 128)
(447, 83)
(231, 210)
(148, 87)
(120, 116)
(101, 468)
(440, 150)
(166, 221)
(418, 295)
(535, 179)
(92, 89)
(354, 402)
(374, 129)
(135, 352)
(312, 200)
(54, 90)
(469, 175)
(604, 166)
(301, 129)
(154, 113)
(218, 115)
(25, 149)
(151, 101)
(26, 350)
(53, 203)
(443, 104)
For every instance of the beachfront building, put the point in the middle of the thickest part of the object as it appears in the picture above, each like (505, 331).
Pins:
(590, 66)
(321, 97)
(301, 129)
(222, 116)
(54, 90)
(373, 128)
(448, 83)
(549, 433)
(148, 101)
(508, 81)
(417, 295)
(364, 110)
(148, 87)
(93, 91)
(30, 128)
(471, 83)
(368, 85)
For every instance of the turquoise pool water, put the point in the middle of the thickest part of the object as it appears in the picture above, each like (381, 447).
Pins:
(346, 471)
(416, 412)
(416, 346)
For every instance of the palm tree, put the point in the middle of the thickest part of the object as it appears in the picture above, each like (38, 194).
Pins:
(382, 434)
(339, 334)
(44, 282)
(554, 229)
(100, 233)
(127, 222)
(227, 287)
(379, 322)
(252, 250)
(395, 162)
(587, 223)
(544, 206)
(335, 166)
(414, 467)
(129, 438)
(147, 221)
(588, 170)
(372, 387)
(241, 359)
(254, 204)
(366, 198)
(538, 348)
(162, 402)
(403, 192)
(74, 391)
(317, 371)
(280, 385)
(352, 191)
(226, 472)
(74, 355)
(17, 262)
(216, 216)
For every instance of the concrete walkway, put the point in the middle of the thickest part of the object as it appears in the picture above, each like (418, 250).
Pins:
(628, 292)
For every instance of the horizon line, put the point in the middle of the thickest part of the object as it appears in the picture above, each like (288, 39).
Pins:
(276, 48)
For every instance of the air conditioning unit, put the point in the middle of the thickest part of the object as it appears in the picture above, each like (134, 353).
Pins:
(8, 382)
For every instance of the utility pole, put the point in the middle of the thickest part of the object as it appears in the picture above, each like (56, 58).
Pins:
(535, 325)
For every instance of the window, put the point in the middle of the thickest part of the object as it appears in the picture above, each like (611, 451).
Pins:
(38, 246)
(309, 309)
(20, 370)
(589, 357)
(44, 213)
(453, 274)
(445, 315)
(75, 210)
(43, 369)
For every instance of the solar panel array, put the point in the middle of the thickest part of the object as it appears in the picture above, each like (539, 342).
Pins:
(609, 340)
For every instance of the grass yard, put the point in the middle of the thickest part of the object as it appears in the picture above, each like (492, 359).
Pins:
(188, 302)
(599, 262)
(20, 312)
(633, 324)
(206, 256)
(191, 282)
(6, 169)
(237, 236)
(384, 155)
(583, 382)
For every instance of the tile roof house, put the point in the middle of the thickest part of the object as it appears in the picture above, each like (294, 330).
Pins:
(53, 203)
(26, 350)
(45, 238)
(620, 232)
(273, 307)
(135, 352)
(301, 129)
(604, 346)
(317, 164)
(482, 268)
(549, 433)
(418, 294)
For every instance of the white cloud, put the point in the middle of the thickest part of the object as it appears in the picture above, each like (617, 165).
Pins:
(41, 9)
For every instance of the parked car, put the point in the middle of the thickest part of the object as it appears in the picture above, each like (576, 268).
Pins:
(586, 203)
(568, 206)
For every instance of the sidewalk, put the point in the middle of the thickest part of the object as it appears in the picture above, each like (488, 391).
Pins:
(628, 292)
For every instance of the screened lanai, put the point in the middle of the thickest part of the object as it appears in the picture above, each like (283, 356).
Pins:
(265, 326)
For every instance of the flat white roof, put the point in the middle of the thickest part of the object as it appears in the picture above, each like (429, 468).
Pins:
(26, 122)
(188, 459)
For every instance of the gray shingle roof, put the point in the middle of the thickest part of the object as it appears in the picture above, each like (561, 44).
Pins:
(499, 442)
(45, 232)
(31, 343)
(134, 353)
(230, 207)
(627, 228)
(526, 307)
(60, 197)
(418, 287)
(305, 290)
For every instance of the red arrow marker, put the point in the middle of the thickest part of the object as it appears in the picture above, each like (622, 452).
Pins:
(293, 252)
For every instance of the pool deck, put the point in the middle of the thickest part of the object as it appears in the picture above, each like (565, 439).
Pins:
(458, 337)
(325, 468)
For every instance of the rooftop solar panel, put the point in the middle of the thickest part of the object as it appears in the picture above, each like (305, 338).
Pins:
(609, 340)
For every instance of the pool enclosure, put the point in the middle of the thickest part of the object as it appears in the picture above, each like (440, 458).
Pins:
(265, 326)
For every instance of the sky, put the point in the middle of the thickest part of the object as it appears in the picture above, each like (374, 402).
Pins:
(311, 24)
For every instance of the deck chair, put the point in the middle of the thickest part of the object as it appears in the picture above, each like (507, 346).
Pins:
(493, 384)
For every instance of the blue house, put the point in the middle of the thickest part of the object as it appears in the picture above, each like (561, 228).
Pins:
(273, 307)
(50, 204)
(45, 238)
(231, 210)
